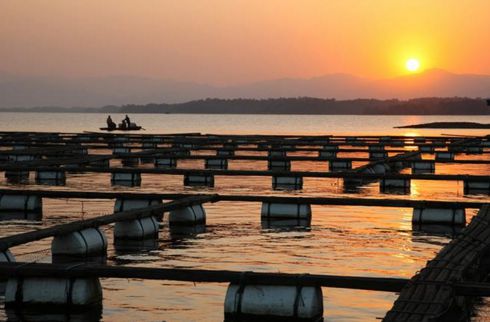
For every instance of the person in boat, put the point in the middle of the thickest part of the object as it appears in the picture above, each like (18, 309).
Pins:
(128, 122)
(110, 124)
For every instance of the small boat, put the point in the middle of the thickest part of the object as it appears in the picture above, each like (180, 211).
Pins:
(120, 127)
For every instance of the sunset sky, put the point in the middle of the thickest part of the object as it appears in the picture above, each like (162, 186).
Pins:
(236, 41)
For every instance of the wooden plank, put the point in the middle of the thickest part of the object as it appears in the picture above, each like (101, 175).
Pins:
(340, 201)
(311, 174)
(384, 284)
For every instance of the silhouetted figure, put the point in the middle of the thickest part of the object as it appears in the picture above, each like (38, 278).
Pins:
(110, 124)
(128, 122)
(488, 101)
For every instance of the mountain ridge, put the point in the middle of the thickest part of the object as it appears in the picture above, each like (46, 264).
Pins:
(22, 91)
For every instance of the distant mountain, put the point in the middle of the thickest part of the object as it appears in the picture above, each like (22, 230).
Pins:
(16, 91)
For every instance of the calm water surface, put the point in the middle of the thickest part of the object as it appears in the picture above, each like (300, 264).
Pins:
(365, 241)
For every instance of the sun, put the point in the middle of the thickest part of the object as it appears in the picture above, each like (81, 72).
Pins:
(412, 65)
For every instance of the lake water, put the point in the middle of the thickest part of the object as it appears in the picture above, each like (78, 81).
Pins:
(342, 240)
(236, 124)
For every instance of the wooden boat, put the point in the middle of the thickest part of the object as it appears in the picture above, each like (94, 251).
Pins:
(132, 127)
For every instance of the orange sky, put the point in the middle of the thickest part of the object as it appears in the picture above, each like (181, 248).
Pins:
(233, 41)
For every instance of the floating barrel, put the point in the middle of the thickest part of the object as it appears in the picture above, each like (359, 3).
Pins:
(166, 163)
(28, 207)
(397, 143)
(439, 216)
(140, 228)
(22, 157)
(183, 153)
(476, 187)
(15, 176)
(126, 178)
(53, 291)
(184, 145)
(225, 152)
(51, 177)
(426, 148)
(263, 302)
(130, 204)
(220, 164)
(378, 155)
(148, 146)
(386, 185)
(352, 183)
(84, 243)
(279, 165)
(146, 160)
(121, 149)
(130, 162)
(17, 147)
(376, 147)
(379, 168)
(327, 154)
(336, 165)
(206, 180)
(285, 210)
(99, 163)
(137, 229)
(287, 182)
(120, 139)
(155, 139)
(84, 138)
(79, 150)
(474, 150)
(423, 166)
(351, 140)
(442, 155)
(277, 154)
(330, 147)
(456, 148)
(192, 215)
(439, 143)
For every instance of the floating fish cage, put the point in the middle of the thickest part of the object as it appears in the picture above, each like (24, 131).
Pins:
(133, 166)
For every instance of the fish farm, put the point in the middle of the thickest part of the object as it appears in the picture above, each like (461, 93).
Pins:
(82, 210)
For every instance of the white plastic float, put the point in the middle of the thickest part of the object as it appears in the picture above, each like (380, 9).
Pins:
(225, 152)
(220, 164)
(165, 162)
(274, 301)
(283, 182)
(53, 291)
(450, 216)
(283, 165)
(338, 165)
(199, 180)
(126, 178)
(192, 215)
(84, 243)
(285, 210)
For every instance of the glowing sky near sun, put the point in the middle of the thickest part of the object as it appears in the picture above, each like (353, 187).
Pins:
(223, 41)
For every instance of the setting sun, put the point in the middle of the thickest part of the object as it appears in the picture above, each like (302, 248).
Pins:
(412, 64)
